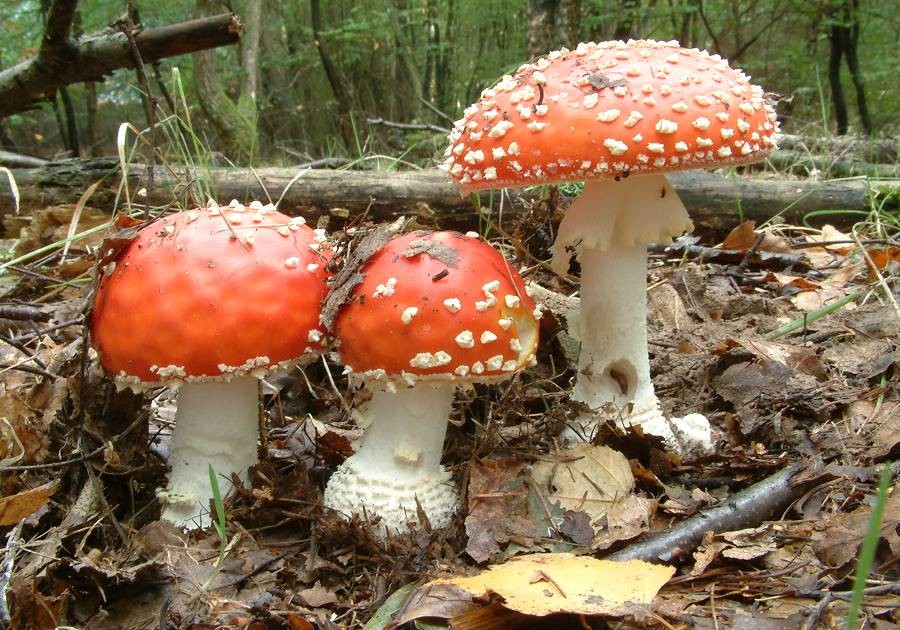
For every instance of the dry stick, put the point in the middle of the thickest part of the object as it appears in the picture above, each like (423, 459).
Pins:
(748, 508)
(433, 108)
(21, 348)
(9, 560)
(23, 312)
(407, 126)
(80, 458)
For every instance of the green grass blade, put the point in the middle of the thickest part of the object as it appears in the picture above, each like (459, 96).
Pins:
(809, 318)
(870, 543)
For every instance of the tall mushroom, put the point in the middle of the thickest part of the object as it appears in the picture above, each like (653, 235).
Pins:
(617, 115)
(431, 311)
(209, 301)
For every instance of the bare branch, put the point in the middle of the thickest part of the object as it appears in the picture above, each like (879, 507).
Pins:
(93, 57)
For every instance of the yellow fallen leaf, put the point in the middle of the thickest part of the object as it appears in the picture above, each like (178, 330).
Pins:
(586, 478)
(547, 583)
(16, 507)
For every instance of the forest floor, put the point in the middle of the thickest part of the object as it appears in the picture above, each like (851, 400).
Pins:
(81, 462)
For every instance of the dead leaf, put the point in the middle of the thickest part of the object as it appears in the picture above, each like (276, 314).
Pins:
(741, 237)
(16, 507)
(708, 551)
(625, 520)
(317, 596)
(801, 359)
(544, 584)
(497, 507)
(828, 235)
(840, 535)
(586, 478)
(577, 527)
(668, 310)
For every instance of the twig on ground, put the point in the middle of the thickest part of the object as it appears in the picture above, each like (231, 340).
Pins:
(23, 312)
(433, 108)
(80, 458)
(748, 508)
(764, 259)
(9, 561)
(407, 126)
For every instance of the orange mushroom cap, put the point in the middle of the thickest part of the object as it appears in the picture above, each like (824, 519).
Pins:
(439, 305)
(607, 109)
(194, 298)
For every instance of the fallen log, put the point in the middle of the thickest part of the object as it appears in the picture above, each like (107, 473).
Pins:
(716, 202)
(800, 163)
(62, 61)
(878, 150)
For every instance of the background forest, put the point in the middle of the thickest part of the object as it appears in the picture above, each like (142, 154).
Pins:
(309, 77)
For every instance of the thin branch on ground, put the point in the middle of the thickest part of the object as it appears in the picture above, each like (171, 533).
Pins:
(747, 508)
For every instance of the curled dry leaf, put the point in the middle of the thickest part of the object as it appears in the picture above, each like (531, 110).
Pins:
(586, 478)
(17, 506)
(548, 583)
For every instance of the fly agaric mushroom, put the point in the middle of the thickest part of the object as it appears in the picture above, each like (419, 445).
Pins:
(209, 301)
(618, 115)
(432, 311)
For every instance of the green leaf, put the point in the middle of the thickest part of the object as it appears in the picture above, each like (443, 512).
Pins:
(385, 613)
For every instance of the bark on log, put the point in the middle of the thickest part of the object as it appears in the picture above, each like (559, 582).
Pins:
(877, 150)
(713, 200)
(802, 163)
(95, 56)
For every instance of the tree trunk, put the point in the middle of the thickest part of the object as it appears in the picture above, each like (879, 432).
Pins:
(628, 19)
(71, 123)
(541, 26)
(836, 39)
(341, 94)
(569, 23)
(442, 77)
(409, 86)
(233, 121)
(90, 128)
(852, 43)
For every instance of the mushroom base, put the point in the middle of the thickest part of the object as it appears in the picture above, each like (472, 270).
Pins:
(353, 490)
(216, 424)
(397, 467)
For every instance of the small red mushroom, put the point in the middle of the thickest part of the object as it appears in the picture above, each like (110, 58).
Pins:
(210, 300)
(617, 115)
(434, 311)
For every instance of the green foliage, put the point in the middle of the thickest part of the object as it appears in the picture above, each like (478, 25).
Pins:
(389, 53)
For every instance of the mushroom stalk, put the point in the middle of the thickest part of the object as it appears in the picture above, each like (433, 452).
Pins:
(611, 223)
(399, 459)
(613, 366)
(216, 424)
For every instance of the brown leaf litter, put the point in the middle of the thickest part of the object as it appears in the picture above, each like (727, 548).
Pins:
(81, 462)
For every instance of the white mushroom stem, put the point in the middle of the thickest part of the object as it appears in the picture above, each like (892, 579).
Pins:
(216, 423)
(399, 459)
(610, 224)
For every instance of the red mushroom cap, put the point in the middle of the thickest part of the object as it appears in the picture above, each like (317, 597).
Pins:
(606, 109)
(434, 304)
(193, 298)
